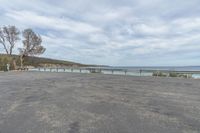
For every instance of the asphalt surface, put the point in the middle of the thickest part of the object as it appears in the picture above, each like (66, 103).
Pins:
(34, 102)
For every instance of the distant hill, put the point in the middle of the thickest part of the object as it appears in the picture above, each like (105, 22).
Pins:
(35, 62)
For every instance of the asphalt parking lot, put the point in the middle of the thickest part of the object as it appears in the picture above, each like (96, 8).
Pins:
(35, 102)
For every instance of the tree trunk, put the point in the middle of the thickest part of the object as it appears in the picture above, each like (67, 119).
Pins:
(11, 49)
(21, 61)
(14, 64)
(10, 52)
(5, 48)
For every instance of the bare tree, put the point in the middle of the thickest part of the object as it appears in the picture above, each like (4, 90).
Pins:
(31, 45)
(9, 35)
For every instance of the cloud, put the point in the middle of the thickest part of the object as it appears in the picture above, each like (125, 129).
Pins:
(49, 22)
(114, 32)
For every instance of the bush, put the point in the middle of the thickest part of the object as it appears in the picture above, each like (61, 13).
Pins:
(4, 60)
(160, 74)
(173, 74)
(3, 68)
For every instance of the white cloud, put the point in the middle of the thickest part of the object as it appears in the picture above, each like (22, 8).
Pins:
(33, 19)
(114, 32)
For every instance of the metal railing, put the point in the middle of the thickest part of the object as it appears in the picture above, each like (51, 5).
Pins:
(140, 72)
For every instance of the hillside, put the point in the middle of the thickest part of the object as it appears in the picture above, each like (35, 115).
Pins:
(34, 62)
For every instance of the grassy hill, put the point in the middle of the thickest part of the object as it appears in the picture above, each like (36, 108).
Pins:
(34, 62)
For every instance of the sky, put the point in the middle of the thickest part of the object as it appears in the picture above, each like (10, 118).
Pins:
(111, 32)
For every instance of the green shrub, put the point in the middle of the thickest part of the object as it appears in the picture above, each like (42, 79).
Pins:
(173, 74)
(160, 74)
(3, 68)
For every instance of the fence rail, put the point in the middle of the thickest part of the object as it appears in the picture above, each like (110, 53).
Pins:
(139, 72)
